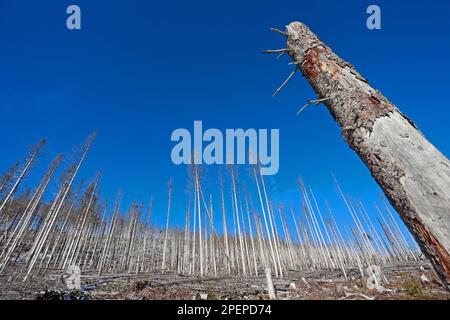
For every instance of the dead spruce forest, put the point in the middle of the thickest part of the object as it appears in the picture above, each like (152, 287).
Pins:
(61, 240)
(229, 248)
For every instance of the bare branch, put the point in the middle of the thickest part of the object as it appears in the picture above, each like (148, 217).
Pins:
(284, 83)
(348, 295)
(275, 51)
(310, 102)
(279, 56)
(278, 31)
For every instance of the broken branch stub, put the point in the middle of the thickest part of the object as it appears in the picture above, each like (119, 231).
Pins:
(413, 174)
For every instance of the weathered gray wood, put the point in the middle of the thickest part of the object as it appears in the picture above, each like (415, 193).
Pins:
(413, 174)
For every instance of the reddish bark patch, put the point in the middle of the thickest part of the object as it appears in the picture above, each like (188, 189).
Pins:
(441, 257)
(311, 64)
(372, 108)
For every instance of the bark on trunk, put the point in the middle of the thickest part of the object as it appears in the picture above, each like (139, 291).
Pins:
(413, 174)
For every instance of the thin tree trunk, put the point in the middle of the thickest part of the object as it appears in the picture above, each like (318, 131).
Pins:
(413, 174)
(163, 265)
(31, 158)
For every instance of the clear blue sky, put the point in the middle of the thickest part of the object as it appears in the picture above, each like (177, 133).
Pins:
(139, 69)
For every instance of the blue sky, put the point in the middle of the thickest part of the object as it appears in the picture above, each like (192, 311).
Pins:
(138, 70)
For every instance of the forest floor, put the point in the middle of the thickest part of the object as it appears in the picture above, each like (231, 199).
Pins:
(416, 281)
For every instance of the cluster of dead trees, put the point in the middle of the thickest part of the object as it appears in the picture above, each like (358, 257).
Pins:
(233, 234)
(223, 236)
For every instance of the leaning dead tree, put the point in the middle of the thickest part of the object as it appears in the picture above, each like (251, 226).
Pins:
(34, 152)
(413, 174)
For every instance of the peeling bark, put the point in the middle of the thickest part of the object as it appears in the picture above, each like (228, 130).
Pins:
(413, 174)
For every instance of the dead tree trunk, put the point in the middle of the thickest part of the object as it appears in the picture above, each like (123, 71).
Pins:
(413, 174)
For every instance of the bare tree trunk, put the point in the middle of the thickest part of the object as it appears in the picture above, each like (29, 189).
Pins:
(30, 160)
(413, 174)
(163, 266)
